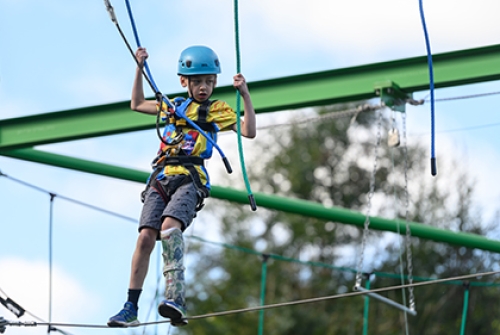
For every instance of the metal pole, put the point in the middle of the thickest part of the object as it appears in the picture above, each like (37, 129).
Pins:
(263, 280)
(387, 301)
(367, 305)
(466, 307)
(288, 205)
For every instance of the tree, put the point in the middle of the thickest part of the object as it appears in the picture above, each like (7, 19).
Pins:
(331, 162)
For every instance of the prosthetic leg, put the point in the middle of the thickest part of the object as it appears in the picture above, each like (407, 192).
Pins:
(174, 305)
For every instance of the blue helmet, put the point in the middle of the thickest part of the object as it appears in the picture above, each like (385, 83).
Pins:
(198, 60)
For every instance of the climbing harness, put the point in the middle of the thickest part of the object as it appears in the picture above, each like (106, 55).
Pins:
(181, 159)
(431, 87)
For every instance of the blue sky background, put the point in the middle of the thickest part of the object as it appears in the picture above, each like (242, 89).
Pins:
(59, 55)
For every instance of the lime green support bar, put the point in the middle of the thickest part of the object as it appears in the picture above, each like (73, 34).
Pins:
(306, 90)
(296, 206)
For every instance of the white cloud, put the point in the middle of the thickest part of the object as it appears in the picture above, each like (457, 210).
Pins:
(362, 28)
(27, 283)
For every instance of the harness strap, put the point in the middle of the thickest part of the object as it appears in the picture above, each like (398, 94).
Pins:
(183, 160)
(203, 111)
(201, 122)
(189, 163)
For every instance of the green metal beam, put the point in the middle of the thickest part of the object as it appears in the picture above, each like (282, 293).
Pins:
(295, 206)
(313, 89)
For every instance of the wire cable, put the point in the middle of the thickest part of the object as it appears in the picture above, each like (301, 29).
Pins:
(69, 199)
(273, 306)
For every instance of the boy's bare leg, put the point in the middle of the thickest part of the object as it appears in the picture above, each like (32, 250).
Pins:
(140, 259)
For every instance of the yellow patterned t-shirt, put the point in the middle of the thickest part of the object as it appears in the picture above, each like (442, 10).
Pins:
(220, 115)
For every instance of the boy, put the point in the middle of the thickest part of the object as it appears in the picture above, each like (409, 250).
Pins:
(180, 181)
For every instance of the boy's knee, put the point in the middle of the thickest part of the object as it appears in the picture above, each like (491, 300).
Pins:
(170, 222)
(147, 239)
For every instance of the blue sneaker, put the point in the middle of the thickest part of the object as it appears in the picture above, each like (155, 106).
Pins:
(176, 313)
(127, 317)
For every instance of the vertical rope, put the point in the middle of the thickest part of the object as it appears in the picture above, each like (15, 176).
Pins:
(431, 87)
(138, 42)
(51, 211)
(238, 108)
(263, 280)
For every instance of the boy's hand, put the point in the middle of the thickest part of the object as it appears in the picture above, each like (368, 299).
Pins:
(141, 55)
(240, 84)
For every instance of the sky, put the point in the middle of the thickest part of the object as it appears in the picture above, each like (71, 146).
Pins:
(60, 55)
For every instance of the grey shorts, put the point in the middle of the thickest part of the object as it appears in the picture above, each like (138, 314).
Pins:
(181, 206)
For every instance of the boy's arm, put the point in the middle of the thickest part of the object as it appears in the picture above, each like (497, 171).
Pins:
(248, 124)
(138, 103)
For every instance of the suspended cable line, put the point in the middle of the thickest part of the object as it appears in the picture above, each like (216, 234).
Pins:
(489, 125)
(470, 96)
(265, 307)
(99, 209)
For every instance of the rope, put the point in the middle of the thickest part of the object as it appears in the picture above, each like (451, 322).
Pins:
(111, 12)
(270, 306)
(431, 81)
(136, 35)
(238, 109)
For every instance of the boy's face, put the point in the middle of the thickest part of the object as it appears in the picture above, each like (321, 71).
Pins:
(200, 87)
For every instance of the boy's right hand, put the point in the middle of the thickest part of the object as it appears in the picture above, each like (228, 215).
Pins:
(141, 55)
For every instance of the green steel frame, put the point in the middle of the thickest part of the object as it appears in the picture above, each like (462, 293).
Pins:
(19, 135)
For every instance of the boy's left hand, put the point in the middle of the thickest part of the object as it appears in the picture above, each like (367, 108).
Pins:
(240, 84)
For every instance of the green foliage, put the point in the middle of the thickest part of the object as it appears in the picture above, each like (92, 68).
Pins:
(330, 162)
